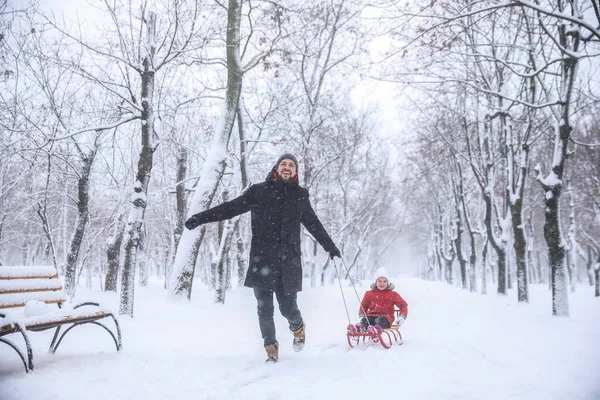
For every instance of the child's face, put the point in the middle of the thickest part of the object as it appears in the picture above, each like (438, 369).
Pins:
(382, 283)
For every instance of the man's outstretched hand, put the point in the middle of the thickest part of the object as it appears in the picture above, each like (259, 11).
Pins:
(192, 223)
(335, 252)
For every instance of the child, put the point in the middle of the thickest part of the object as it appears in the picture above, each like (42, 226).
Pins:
(377, 307)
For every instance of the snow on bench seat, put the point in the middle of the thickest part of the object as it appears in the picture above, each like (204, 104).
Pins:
(45, 271)
(60, 316)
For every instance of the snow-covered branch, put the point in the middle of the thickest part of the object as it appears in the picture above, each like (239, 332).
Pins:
(595, 31)
(123, 120)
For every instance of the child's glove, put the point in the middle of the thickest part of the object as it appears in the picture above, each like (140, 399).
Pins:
(400, 320)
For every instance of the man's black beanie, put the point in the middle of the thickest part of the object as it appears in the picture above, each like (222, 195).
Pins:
(287, 156)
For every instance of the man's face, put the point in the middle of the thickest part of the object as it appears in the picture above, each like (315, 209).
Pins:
(382, 283)
(286, 169)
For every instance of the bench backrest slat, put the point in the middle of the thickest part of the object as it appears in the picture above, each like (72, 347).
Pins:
(46, 271)
(18, 285)
(29, 285)
(20, 299)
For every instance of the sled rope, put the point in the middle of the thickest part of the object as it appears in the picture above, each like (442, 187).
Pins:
(353, 287)
(342, 290)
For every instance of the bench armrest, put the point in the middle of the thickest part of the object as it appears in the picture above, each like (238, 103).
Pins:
(87, 303)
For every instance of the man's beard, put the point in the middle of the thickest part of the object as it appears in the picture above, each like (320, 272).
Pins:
(289, 177)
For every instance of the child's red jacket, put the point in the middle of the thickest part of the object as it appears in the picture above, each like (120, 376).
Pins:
(381, 303)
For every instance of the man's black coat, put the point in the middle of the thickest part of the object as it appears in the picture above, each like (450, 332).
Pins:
(277, 208)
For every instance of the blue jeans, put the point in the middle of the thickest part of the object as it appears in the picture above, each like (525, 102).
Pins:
(287, 306)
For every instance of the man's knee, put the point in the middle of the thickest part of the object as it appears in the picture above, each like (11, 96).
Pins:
(264, 304)
(288, 307)
(265, 309)
(293, 315)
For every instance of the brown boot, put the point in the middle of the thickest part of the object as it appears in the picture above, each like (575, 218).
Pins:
(299, 337)
(272, 352)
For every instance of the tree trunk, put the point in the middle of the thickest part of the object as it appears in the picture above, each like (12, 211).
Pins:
(113, 254)
(461, 206)
(597, 277)
(446, 273)
(502, 278)
(83, 187)
(508, 269)
(516, 191)
(458, 245)
(589, 266)
(499, 248)
(531, 277)
(143, 260)
(167, 262)
(520, 246)
(473, 266)
(241, 261)
(440, 268)
(243, 145)
(140, 188)
(180, 194)
(222, 270)
(449, 272)
(431, 264)
(571, 254)
(556, 250)
(532, 265)
(42, 212)
(324, 271)
(484, 268)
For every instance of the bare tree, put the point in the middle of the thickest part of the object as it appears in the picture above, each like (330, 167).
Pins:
(83, 188)
(214, 166)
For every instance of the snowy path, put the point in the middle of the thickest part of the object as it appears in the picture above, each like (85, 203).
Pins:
(458, 346)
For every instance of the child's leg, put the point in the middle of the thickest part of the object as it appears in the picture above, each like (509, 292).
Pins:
(368, 321)
(382, 321)
(364, 322)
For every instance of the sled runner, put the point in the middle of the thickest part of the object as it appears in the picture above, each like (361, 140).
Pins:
(374, 334)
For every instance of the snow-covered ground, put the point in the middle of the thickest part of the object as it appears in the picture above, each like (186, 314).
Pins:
(457, 345)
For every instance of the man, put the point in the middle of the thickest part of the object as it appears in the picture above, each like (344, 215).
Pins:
(277, 206)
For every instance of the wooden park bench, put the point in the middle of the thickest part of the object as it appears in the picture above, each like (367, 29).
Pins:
(24, 293)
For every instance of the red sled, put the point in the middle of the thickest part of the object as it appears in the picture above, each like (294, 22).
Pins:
(386, 337)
